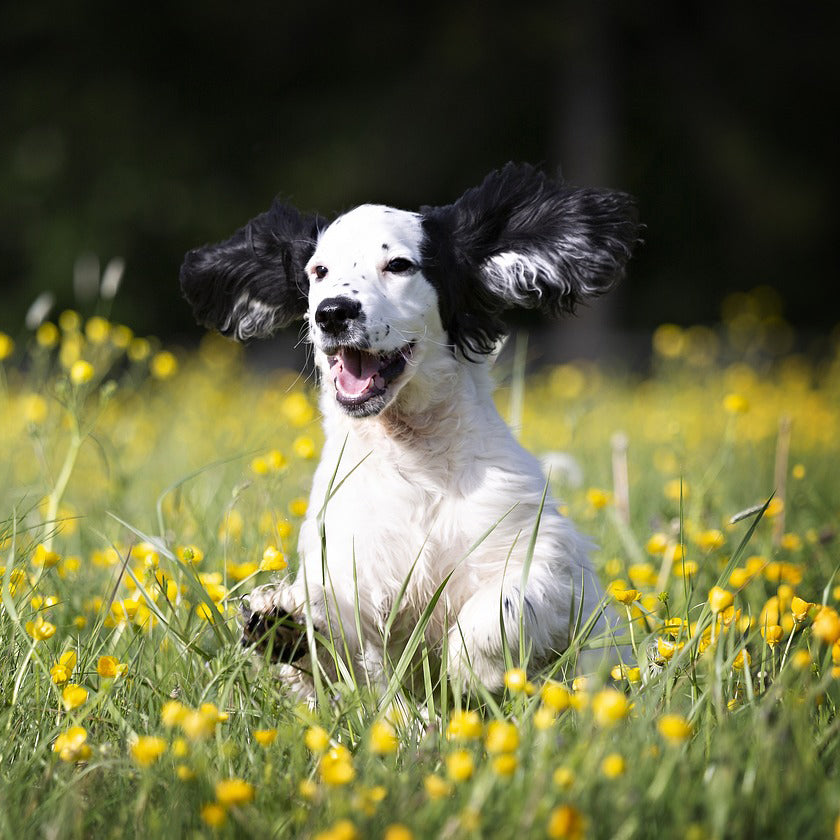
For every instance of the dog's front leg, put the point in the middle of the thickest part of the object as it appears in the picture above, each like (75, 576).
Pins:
(273, 620)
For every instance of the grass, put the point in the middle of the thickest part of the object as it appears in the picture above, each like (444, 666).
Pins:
(141, 495)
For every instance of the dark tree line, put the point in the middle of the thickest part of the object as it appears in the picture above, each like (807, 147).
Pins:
(147, 131)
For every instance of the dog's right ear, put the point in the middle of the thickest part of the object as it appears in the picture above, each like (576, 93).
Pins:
(255, 282)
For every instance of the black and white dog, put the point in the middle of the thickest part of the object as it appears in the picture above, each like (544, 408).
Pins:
(404, 311)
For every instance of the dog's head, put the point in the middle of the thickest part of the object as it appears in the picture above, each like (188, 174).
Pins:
(380, 287)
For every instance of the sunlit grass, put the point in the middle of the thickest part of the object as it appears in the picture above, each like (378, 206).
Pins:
(145, 490)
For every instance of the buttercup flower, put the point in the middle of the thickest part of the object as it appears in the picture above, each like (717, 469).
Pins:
(383, 738)
(336, 766)
(464, 726)
(265, 737)
(501, 737)
(674, 728)
(609, 706)
(73, 696)
(147, 749)
(719, 599)
(233, 792)
(72, 746)
(459, 765)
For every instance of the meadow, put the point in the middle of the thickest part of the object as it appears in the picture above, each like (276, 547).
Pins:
(144, 489)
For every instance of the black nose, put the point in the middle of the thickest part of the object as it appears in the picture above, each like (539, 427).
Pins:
(333, 314)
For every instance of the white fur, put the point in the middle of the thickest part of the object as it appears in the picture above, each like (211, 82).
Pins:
(422, 481)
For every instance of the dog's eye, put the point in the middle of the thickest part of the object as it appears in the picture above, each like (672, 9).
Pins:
(399, 265)
(320, 271)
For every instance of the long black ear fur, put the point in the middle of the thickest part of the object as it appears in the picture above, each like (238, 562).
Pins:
(521, 240)
(253, 283)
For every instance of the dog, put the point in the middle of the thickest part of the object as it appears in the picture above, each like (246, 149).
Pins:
(420, 481)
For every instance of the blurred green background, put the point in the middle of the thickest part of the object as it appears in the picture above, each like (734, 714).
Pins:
(142, 131)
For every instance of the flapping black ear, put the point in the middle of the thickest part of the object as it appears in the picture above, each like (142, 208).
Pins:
(253, 283)
(521, 240)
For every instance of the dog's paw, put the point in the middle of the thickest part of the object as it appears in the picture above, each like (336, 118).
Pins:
(270, 629)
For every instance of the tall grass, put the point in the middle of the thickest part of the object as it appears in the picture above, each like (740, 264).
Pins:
(141, 497)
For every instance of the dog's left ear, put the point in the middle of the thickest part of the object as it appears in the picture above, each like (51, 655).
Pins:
(255, 282)
(521, 240)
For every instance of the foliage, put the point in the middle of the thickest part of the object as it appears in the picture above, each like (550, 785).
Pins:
(144, 491)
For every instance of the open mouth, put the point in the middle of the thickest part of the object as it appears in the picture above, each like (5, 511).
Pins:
(359, 375)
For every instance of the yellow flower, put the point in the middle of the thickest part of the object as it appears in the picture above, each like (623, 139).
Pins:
(799, 607)
(613, 765)
(272, 560)
(504, 765)
(43, 558)
(675, 488)
(566, 823)
(735, 404)
(172, 713)
(436, 787)
(772, 634)
(61, 671)
(7, 346)
(501, 737)
(190, 554)
(81, 372)
(826, 626)
(669, 341)
(657, 544)
(626, 596)
(297, 409)
(147, 749)
(241, 571)
(719, 599)
(598, 499)
(801, 660)
(213, 815)
(397, 831)
(516, 682)
(316, 739)
(184, 772)
(459, 765)
(259, 466)
(336, 766)
(200, 723)
(464, 726)
(71, 745)
(304, 447)
(742, 660)
(626, 672)
(97, 329)
(609, 706)
(798, 471)
(35, 409)
(383, 738)
(265, 737)
(298, 507)
(563, 777)
(710, 540)
(138, 349)
(791, 542)
(341, 830)
(73, 696)
(308, 789)
(555, 696)
(47, 335)
(233, 792)
(110, 667)
(163, 365)
(674, 728)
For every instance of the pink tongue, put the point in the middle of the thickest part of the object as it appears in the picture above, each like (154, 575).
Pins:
(357, 369)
